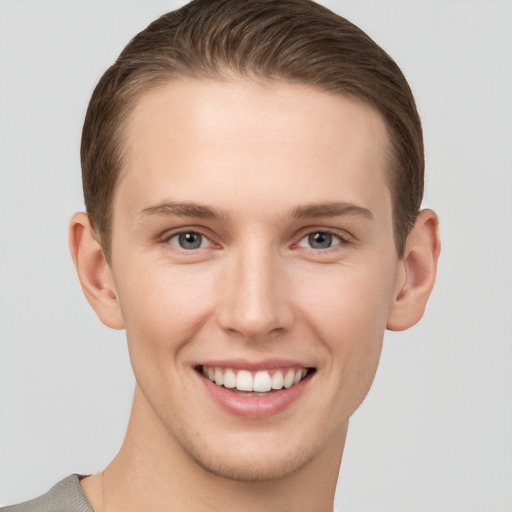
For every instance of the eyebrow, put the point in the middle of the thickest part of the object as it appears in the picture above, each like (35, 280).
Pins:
(190, 209)
(330, 209)
(187, 209)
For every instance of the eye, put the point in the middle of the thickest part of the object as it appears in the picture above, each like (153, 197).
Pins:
(320, 240)
(189, 240)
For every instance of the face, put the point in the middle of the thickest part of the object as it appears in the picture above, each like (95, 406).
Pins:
(254, 262)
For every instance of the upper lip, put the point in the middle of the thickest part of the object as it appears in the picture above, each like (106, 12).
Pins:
(245, 364)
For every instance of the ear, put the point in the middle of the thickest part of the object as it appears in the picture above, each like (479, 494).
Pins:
(417, 272)
(94, 272)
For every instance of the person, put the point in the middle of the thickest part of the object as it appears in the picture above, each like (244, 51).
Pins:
(253, 177)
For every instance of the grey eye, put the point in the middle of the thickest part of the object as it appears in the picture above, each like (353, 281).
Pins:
(188, 240)
(320, 240)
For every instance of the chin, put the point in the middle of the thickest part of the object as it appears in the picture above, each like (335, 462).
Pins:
(252, 457)
(258, 467)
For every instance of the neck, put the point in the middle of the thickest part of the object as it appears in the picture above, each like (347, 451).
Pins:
(153, 472)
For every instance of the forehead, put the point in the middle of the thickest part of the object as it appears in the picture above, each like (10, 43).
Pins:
(219, 138)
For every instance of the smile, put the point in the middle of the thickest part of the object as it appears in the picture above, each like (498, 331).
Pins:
(261, 381)
(255, 390)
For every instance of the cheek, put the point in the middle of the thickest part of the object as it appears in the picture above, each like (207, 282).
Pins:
(348, 309)
(349, 297)
(349, 320)
(163, 308)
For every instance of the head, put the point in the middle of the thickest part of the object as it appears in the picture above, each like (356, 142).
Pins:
(253, 175)
(295, 41)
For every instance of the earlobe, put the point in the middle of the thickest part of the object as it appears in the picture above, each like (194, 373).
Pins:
(93, 271)
(417, 274)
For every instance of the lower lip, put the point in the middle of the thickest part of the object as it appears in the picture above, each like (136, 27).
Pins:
(255, 406)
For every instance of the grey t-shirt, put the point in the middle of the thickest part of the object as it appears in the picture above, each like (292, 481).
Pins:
(66, 496)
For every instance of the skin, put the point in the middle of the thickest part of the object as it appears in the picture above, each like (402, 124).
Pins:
(262, 157)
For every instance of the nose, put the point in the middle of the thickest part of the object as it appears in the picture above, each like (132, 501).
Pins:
(256, 296)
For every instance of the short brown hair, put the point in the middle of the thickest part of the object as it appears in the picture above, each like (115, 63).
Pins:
(292, 40)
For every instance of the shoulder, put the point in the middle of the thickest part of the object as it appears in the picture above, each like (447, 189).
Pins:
(66, 496)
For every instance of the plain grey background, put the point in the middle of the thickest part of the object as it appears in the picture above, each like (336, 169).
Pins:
(435, 433)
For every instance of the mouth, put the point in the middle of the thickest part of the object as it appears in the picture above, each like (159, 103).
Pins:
(255, 383)
(255, 390)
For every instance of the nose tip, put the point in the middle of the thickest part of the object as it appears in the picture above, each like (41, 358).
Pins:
(256, 320)
(256, 301)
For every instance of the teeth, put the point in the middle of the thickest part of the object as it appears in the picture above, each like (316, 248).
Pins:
(288, 379)
(229, 379)
(277, 380)
(219, 380)
(260, 383)
(244, 381)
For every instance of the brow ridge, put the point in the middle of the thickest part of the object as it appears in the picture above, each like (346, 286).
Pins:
(184, 209)
(330, 209)
(191, 209)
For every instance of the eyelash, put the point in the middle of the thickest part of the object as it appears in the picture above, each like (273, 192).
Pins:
(342, 240)
(168, 237)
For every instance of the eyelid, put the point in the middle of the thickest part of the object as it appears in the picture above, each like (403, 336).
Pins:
(344, 236)
(169, 234)
(308, 247)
